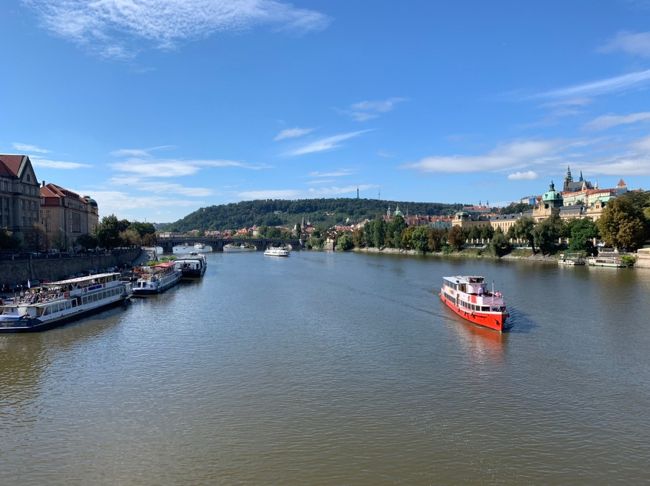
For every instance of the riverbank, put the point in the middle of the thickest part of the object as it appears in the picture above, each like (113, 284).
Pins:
(18, 272)
(470, 253)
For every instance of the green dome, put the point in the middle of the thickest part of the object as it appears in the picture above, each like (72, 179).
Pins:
(552, 194)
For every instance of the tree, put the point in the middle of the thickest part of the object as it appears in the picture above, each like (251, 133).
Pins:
(8, 241)
(487, 232)
(436, 239)
(547, 233)
(581, 233)
(420, 239)
(344, 242)
(108, 231)
(456, 237)
(623, 223)
(357, 238)
(130, 237)
(87, 242)
(375, 233)
(523, 229)
(500, 245)
(394, 231)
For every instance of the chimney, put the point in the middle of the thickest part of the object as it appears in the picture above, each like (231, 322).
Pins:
(43, 183)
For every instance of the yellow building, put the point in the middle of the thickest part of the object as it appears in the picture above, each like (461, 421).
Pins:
(65, 215)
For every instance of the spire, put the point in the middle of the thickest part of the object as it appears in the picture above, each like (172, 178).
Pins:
(357, 192)
(569, 177)
(552, 186)
(581, 178)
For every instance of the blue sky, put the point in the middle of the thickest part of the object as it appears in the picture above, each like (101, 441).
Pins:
(157, 108)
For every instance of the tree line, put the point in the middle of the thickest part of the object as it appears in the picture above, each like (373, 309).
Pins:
(624, 224)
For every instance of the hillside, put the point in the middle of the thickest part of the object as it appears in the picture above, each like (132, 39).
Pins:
(277, 212)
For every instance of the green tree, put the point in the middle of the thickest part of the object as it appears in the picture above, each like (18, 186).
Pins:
(420, 239)
(394, 230)
(130, 237)
(407, 238)
(546, 234)
(456, 238)
(487, 232)
(357, 238)
(623, 223)
(436, 239)
(375, 233)
(88, 242)
(108, 231)
(581, 233)
(523, 230)
(344, 242)
(499, 245)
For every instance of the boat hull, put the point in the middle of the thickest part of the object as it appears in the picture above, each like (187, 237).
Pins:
(491, 320)
(44, 326)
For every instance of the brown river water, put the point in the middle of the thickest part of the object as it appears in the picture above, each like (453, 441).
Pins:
(327, 368)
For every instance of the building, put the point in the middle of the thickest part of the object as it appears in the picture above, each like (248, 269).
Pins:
(65, 215)
(572, 186)
(19, 197)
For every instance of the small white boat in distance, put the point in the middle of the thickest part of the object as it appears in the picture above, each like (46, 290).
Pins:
(277, 251)
(199, 246)
(232, 248)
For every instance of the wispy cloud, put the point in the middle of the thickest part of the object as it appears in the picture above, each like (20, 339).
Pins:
(140, 152)
(57, 164)
(523, 176)
(634, 162)
(113, 28)
(634, 43)
(367, 110)
(161, 187)
(603, 86)
(293, 133)
(304, 193)
(608, 121)
(328, 143)
(25, 147)
(130, 206)
(336, 173)
(508, 156)
(173, 167)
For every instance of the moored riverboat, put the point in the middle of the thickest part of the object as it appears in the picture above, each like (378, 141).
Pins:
(232, 248)
(610, 259)
(156, 279)
(469, 297)
(55, 303)
(570, 260)
(191, 266)
(276, 251)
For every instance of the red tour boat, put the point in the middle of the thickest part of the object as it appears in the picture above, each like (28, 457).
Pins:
(469, 297)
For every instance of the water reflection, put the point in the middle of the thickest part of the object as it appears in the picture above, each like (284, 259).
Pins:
(482, 346)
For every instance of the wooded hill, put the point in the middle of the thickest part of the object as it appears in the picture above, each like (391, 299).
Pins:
(280, 212)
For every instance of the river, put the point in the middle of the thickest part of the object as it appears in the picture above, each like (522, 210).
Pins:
(330, 368)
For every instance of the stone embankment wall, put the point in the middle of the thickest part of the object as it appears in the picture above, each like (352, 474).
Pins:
(15, 272)
(643, 258)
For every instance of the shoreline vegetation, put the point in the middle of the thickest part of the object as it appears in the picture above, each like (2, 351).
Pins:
(470, 253)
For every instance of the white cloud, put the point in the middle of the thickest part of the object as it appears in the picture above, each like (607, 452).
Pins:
(293, 133)
(25, 147)
(528, 175)
(174, 167)
(603, 86)
(636, 44)
(57, 164)
(622, 167)
(113, 28)
(304, 193)
(512, 155)
(367, 110)
(608, 121)
(337, 173)
(642, 145)
(324, 144)
(140, 152)
(128, 205)
(161, 187)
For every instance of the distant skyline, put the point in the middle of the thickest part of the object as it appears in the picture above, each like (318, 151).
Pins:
(156, 108)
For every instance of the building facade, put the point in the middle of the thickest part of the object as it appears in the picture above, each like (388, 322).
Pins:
(65, 216)
(19, 197)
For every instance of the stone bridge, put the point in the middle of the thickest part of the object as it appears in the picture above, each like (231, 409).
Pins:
(169, 242)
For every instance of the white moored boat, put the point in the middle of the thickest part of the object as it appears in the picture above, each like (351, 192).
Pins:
(157, 279)
(232, 248)
(57, 302)
(276, 251)
(192, 265)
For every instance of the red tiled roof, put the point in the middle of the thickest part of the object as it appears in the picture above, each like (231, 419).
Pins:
(52, 190)
(10, 164)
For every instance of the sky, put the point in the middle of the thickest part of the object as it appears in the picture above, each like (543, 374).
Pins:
(156, 108)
